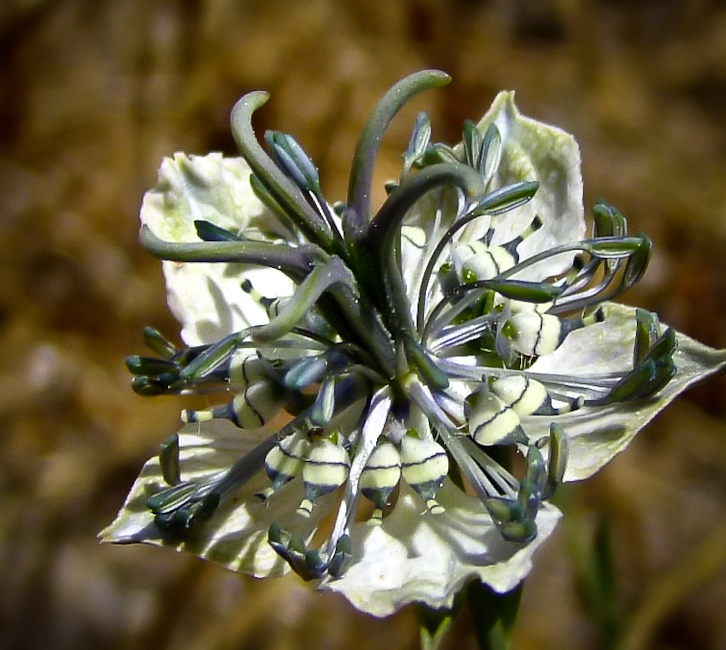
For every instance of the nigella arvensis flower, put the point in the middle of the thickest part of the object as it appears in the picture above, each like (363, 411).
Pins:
(429, 373)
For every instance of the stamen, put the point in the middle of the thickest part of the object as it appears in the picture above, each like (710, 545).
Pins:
(380, 476)
(169, 460)
(558, 456)
(207, 231)
(643, 381)
(472, 141)
(306, 372)
(457, 335)
(292, 158)
(424, 466)
(138, 365)
(504, 483)
(341, 556)
(504, 199)
(646, 331)
(439, 152)
(491, 153)
(425, 365)
(417, 145)
(325, 469)
(479, 481)
(180, 506)
(460, 299)
(425, 280)
(607, 220)
(323, 408)
(466, 295)
(157, 342)
(291, 548)
(282, 189)
(452, 405)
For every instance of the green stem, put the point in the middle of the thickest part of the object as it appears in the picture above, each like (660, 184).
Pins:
(494, 615)
(433, 624)
(361, 175)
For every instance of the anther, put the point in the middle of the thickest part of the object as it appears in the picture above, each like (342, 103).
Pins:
(325, 469)
(424, 465)
(380, 476)
(492, 421)
(169, 460)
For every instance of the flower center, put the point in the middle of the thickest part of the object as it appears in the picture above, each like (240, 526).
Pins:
(407, 354)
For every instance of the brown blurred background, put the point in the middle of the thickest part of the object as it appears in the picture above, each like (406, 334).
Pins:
(94, 92)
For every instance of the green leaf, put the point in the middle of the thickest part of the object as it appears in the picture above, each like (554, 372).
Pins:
(433, 624)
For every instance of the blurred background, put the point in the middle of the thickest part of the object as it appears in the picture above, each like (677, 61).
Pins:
(93, 93)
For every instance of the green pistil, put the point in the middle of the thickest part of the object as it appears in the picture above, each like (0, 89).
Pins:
(296, 263)
(281, 188)
(361, 175)
(384, 233)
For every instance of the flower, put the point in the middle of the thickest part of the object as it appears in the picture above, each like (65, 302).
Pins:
(391, 368)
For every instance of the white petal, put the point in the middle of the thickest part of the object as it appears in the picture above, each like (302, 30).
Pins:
(207, 299)
(598, 434)
(209, 302)
(236, 537)
(211, 188)
(533, 151)
(413, 249)
(415, 557)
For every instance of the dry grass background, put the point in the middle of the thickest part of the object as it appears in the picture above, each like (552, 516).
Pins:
(94, 92)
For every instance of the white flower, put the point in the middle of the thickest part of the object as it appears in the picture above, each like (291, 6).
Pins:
(383, 359)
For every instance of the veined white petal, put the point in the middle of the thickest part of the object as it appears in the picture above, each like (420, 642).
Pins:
(209, 302)
(534, 151)
(415, 557)
(236, 537)
(211, 188)
(597, 434)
